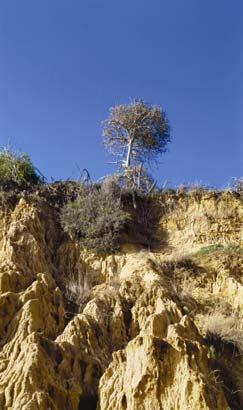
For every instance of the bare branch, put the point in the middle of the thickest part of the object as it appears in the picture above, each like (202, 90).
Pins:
(138, 133)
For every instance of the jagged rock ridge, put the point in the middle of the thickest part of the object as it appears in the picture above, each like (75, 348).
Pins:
(138, 341)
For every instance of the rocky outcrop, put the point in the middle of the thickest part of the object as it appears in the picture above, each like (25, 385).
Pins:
(138, 340)
(190, 220)
(169, 373)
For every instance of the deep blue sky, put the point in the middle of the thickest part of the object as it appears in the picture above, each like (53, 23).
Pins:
(64, 63)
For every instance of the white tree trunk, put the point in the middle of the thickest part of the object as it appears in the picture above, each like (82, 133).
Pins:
(129, 151)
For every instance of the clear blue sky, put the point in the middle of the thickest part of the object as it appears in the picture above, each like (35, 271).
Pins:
(64, 63)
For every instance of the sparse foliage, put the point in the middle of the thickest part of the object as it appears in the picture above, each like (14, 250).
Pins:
(237, 185)
(77, 291)
(136, 134)
(222, 330)
(112, 185)
(96, 218)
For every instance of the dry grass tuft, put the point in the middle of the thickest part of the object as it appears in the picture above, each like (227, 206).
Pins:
(222, 330)
(77, 291)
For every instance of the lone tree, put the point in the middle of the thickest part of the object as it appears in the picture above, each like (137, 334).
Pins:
(136, 133)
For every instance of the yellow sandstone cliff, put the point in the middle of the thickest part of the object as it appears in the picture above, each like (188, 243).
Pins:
(139, 337)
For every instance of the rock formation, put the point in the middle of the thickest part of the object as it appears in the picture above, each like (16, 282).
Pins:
(138, 339)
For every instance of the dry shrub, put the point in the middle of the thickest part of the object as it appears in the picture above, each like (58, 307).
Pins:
(96, 219)
(111, 185)
(222, 330)
(237, 185)
(77, 291)
(225, 341)
(179, 263)
(193, 187)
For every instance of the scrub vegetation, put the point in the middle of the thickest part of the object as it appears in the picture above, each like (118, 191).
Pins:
(98, 214)
(96, 218)
(17, 170)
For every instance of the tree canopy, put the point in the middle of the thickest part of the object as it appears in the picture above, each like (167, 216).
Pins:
(136, 133)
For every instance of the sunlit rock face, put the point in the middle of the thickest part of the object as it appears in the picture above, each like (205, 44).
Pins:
(138, 338)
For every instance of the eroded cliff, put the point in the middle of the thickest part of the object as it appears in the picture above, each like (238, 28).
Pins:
(124, 331)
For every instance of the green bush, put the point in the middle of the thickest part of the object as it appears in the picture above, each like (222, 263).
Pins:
(16, 170)
(96, 218)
